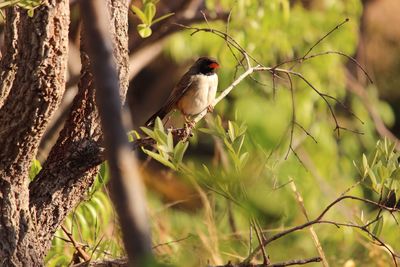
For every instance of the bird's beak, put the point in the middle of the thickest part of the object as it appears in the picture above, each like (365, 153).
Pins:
(214, 65)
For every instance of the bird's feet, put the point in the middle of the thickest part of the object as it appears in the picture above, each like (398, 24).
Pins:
(210, 108)
(189, 124)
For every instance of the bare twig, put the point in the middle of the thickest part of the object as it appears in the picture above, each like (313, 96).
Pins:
(319, 41)
(314, 236)
(279, 264)
(173, 241)
(258, 234)
(292, 123)
(318, 220)
(81, 251)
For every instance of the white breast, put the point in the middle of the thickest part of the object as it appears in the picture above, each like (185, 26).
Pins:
(200, 94)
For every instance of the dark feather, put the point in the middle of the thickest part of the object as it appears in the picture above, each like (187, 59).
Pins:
(179, 90)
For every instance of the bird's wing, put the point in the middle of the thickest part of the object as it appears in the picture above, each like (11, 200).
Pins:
(179, 90)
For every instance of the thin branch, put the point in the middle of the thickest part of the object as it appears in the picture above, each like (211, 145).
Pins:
(292, 123)
(373, 236)
(173, 241)
(264, 254)
(314, 236)
(326, 35)
(352, 59)
(279, 264)
(81, 252)
(317, 43)
(306, 132)
(317, 220)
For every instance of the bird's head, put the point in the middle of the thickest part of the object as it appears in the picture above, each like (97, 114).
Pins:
(206, 65)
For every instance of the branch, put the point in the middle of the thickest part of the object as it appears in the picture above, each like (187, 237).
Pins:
(126, 187)
(318, 220)
(279, 264)
(81, 252)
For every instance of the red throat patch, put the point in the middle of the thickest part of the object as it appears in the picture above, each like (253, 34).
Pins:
(214, 65)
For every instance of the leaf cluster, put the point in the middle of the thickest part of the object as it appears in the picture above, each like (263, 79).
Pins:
(146, 16)
(167, 153)
(29, 5)
(380, 171)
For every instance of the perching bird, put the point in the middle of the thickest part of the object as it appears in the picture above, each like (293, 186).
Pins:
(194, 92)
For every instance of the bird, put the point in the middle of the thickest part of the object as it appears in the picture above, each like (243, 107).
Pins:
(194, 92)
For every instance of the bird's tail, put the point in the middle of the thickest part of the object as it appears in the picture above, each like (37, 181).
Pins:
(161, 113)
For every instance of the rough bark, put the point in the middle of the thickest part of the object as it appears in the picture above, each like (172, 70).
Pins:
(71, 166)
(9, 52)
(34, 95)
(126, 186)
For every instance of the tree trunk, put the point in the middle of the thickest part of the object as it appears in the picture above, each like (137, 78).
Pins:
(33, 97)
(30, 216)
(9, 52)
(71, 166)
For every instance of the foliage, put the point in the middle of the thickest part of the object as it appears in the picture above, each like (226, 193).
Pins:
(246, 175)
(29, 5)
(93, 225)
(168, 154)
(146, 16)
(381, 172)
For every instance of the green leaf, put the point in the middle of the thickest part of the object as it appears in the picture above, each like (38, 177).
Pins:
(162, 17)
(396, 174)
(206, 131)
(159, 125)
(228, 145)
(360, 219)
(231, 131)
(83, 223)
(161, 137)
(148, 132)
(31, 12)
(144, 30)
(8, 3)
(58, 260)
(378, 227)
(150, 12)
(159, 158)
(365, 165)
(372, 176)
(170, 142)
(140, 15)
(34, 169)
(243, 159)
(99, 205)
(206, 170)
(90, 209)
(382, 173)
(241, 141)
(179, 150)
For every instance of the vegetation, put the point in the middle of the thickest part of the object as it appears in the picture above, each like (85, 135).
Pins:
(290, 159)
